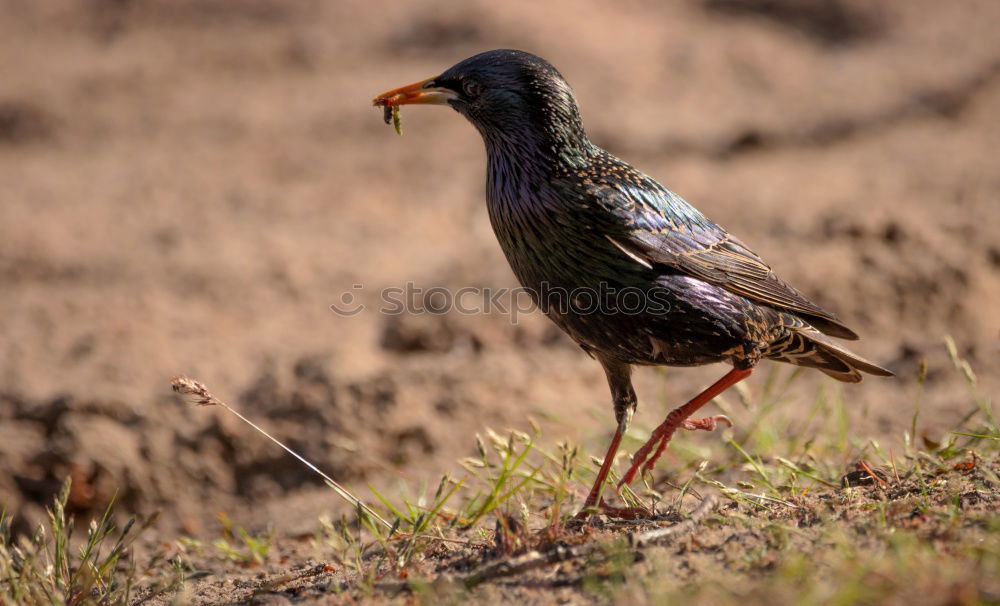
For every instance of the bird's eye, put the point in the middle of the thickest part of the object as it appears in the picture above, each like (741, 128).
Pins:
(470, 87)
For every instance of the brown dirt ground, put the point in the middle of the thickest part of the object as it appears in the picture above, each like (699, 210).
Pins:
(739, 545)
(188, 186)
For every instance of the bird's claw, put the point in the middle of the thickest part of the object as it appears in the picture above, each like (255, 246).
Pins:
(706, 424)
(644, 462)
(618, 513)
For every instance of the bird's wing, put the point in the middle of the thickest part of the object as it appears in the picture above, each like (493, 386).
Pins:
(655, 226)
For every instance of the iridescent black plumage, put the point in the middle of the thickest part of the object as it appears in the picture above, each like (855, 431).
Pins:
(569, 215)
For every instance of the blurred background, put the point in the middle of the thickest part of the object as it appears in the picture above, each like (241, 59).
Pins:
(188, 185)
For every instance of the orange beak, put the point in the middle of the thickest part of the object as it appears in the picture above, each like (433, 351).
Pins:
(423, 92)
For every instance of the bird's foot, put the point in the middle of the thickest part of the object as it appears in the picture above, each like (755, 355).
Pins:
(618, 513)
(706, 424)
(641, 459)
(643, 462)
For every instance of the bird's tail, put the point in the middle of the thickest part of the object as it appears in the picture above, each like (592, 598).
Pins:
(803, 345)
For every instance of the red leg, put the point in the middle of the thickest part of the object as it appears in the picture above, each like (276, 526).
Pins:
(595, 493)
(679, 418)
(706, 424)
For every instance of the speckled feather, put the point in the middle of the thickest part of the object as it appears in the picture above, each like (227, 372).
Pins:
(569, 215)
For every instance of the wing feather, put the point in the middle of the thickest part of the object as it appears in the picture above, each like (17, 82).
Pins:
(655, 226)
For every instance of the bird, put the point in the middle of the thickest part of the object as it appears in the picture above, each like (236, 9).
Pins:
(580, 228)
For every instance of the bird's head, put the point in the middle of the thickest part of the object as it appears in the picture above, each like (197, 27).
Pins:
(504, 93)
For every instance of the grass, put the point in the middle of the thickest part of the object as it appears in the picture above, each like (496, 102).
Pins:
(49, 567)
(236, 544)
(921, 526)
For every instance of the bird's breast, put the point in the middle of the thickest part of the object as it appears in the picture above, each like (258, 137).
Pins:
(538, 233)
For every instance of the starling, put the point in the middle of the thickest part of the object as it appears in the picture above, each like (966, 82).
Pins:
(642, 277)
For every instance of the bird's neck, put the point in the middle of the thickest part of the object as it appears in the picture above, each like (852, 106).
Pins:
(521, 158)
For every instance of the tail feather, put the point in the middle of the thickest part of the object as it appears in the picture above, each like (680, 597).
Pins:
(803, 345)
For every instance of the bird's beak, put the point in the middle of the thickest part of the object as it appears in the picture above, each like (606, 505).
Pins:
(423, 92)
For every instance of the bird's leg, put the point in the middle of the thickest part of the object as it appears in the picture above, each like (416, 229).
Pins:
(706, 424)
(620, 381)
(679, 418)
(602, 475)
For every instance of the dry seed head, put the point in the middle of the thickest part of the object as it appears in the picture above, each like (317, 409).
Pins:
(970, 376)
(499, 443)
(949, 344)
(470, 462)
(199, 393)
